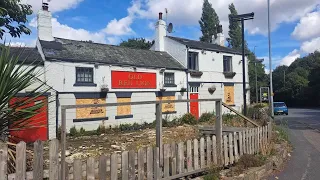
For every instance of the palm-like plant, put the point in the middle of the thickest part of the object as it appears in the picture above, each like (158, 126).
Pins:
(16, 75)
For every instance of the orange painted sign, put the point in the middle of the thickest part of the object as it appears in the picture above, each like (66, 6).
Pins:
(133, 80)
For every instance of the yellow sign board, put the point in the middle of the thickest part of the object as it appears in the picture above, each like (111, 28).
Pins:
(229, 95)
(124, 109)
(91, 112)
(167, 107)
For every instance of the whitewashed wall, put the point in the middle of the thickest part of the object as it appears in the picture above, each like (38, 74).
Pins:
(61, 75)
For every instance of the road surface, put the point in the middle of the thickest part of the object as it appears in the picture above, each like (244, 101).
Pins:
(304, 134)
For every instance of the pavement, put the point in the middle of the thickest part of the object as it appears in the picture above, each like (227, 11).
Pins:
(304, 135)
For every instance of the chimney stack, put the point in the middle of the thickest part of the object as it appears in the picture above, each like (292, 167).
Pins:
(160, 15)
(45, 6)
(220, 40)
(161, 32)
(44, 23)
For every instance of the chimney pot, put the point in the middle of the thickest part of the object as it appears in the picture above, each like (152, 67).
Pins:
(160, 15)
(45, 6)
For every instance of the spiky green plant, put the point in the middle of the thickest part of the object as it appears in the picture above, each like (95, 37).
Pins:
(16, 75)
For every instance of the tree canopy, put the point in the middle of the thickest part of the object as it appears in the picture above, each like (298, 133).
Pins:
(298, 84)
(235, 34)
(137, 43)
(209, 22)
(13, 16)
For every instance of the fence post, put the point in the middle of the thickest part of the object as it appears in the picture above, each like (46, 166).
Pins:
(63, 143)
(3, 161)
(218, 129)
(38, 160)
(159, 130)
(54, 159)
(21, 161)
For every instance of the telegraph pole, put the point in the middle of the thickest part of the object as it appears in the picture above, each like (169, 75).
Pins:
(242, 18)
(270, 63)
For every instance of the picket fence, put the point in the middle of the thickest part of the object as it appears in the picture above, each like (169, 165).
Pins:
(177, 159)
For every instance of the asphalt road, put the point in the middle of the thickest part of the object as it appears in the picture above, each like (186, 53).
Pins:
(304, 134)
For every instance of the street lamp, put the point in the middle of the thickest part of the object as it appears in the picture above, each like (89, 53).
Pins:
(255, 69)
(242, 18)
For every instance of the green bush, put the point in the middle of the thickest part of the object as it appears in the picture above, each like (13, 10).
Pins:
(82, 131)
(205, 117)
(73, 131)
(188, 119)
(213, 173)
(101, 130)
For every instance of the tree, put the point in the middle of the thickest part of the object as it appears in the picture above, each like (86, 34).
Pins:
(209, 22)
(137, 43)
(13, 16)
(235, 34)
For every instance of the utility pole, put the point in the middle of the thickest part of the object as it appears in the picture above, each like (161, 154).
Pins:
(270, 63)
(255, 67)
(242, 18)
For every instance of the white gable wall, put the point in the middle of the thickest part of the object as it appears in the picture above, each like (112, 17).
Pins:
(177, 50)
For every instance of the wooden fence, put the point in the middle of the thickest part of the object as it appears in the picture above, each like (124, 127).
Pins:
(177, 159)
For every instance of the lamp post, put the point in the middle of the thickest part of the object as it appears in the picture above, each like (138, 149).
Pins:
(242, 18)
(270, 63)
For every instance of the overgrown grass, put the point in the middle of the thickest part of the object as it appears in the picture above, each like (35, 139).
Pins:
(247, 161)
(213, 173)
(126, 127)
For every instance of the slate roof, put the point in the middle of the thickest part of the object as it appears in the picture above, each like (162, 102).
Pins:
(203, 45)
(83, 51)
(27, 54)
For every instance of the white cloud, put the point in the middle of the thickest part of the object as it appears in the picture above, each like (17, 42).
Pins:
(67, 32)
(308, 27)
(64, 31)
(119, 27)
(113, 40)
(188, 12)
(292, 56)
(54, 5)
(311, 46)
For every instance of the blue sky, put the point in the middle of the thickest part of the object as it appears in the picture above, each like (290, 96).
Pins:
(294, 23)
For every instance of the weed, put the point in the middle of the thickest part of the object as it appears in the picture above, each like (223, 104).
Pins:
(82, 131)
(213, 173)
(205, 117)
(188, 119)
(101, 129)
(246, 161)
(73, 131)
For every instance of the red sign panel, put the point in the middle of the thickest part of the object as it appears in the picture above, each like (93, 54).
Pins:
(133, 80)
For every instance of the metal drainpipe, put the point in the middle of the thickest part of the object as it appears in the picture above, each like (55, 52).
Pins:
(57, 113)
(187, 80)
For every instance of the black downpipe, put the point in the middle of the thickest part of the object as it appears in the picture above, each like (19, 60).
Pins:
(57, 113)
(187, 77)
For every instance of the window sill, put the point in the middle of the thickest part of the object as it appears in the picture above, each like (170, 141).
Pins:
(229, 74)
(90, 119)
(85, 84)
(124, 116)
(169, 85)
(195, 73)
(169, 112)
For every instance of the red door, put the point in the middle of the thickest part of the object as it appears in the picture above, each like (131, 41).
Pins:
(37, 126)
(194, 106)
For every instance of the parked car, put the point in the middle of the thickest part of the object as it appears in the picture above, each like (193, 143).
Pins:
(280, 108)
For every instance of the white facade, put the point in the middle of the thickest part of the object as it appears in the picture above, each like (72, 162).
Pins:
(62, 76)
